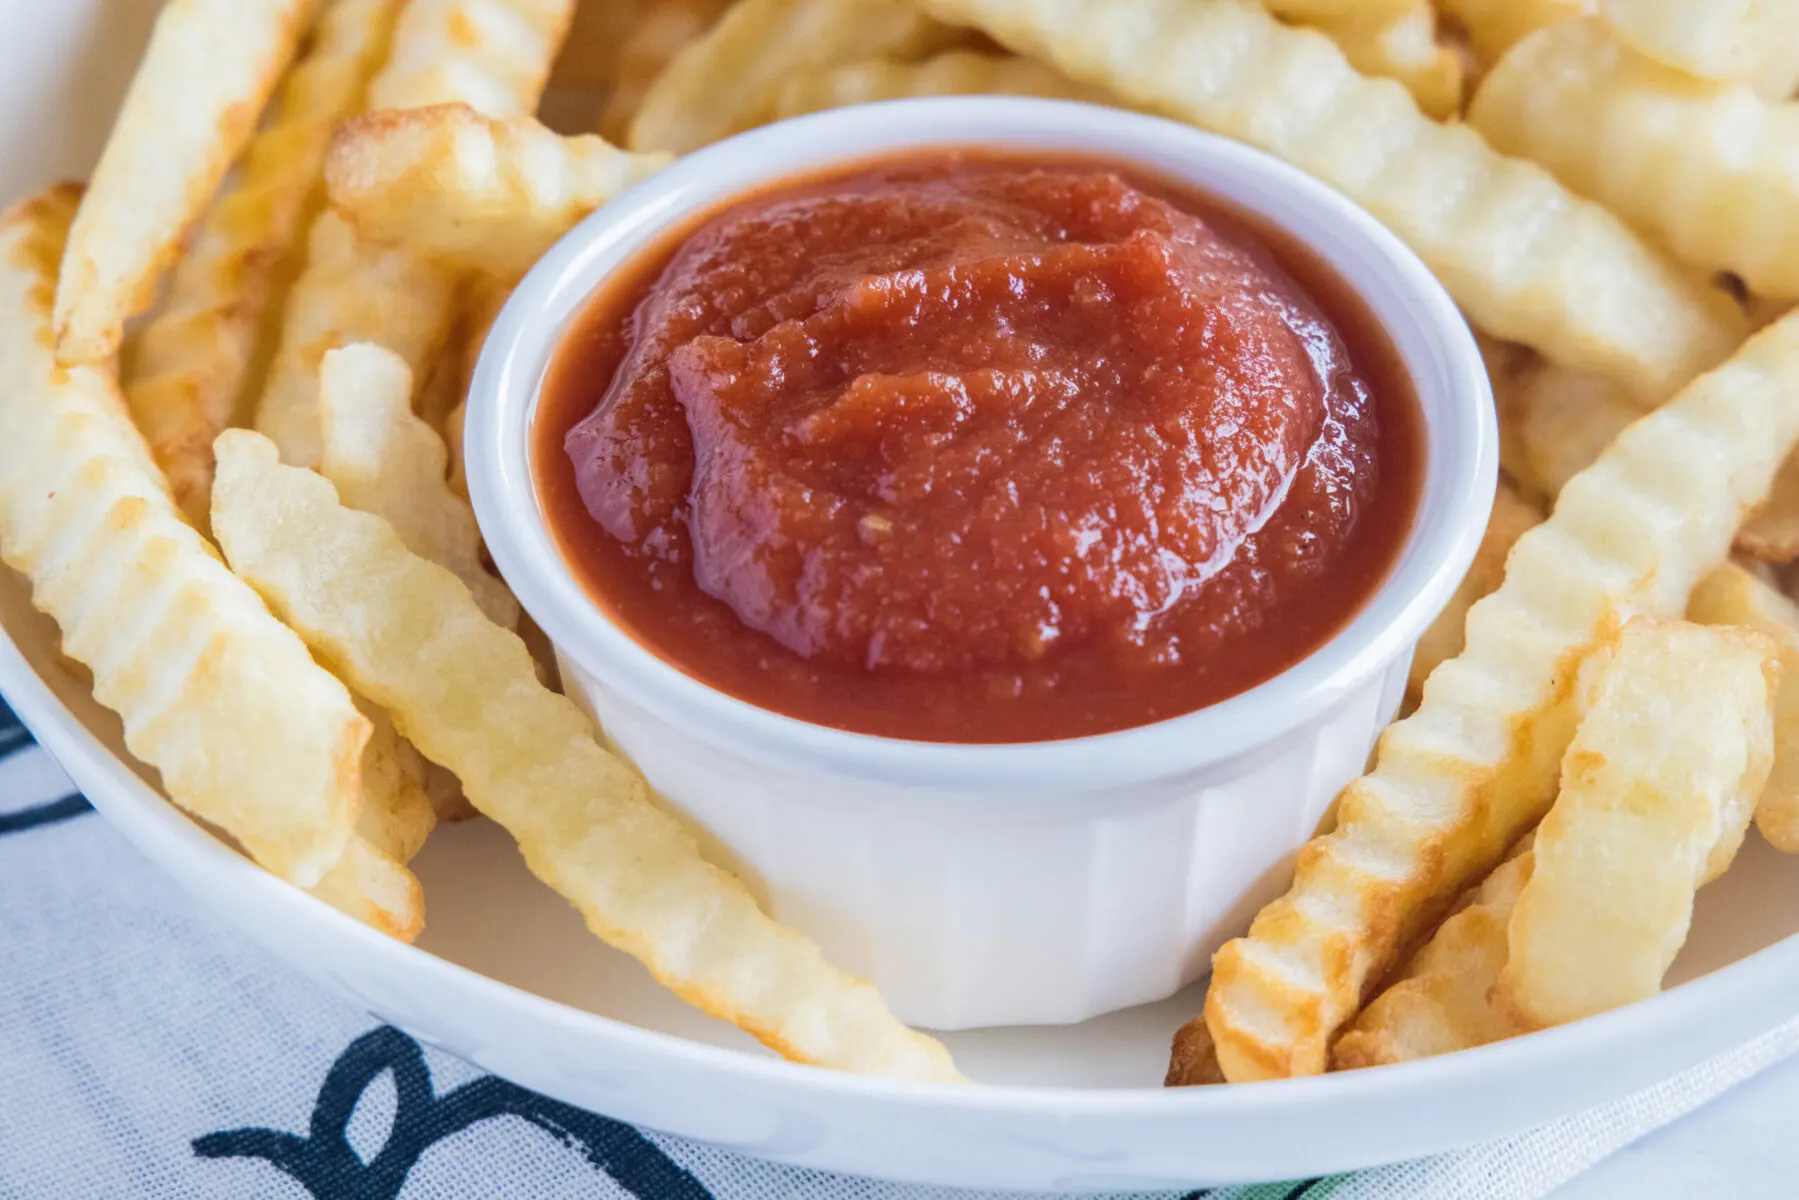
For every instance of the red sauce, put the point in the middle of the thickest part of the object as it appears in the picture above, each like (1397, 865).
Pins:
(975, 449)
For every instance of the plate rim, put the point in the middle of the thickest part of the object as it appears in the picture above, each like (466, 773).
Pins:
(135, 808)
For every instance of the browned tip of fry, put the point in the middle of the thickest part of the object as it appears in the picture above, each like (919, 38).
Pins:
(1193, 1061)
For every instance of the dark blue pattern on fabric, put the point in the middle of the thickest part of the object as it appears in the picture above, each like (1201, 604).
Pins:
(325, 1164)
(40, 815)
(14, 737)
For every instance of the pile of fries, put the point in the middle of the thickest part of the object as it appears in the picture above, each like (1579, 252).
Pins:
(234, 369)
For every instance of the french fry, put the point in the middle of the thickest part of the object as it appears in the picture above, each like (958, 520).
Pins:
(1193, 1059)
(348, 293)
(370, 882)
(1560, 421)
(485, 302)
(663, 31)
(376, 889)
(1512, 515)
(1441, 1001)
(1318, 11)
(1527, 260)
(1740, 41)
(1403, 46)
(1495, 26)
(1772, 533)
(209, 69)
(726, 81)
(492, 55)
(189, 370)
(1672, 750)
(586, 70)
(1708, 170)
(1733, 596)
(466, 693)
(384, 460)
(1563, 421)
(1476, 765)
(475, 193)
(952, 73)
(248, 732)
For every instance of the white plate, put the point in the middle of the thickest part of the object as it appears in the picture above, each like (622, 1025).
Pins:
(506, 977)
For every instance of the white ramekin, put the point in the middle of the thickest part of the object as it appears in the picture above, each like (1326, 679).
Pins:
(1015, 884)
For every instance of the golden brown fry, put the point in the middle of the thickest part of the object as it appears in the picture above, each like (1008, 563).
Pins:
(1193, 1059)
(1512, 515)
(1740, 41)
(1733, 596)
(727, 80)
(663, 31)
(1495, 26)
(478, 194)
(1707, 170)
(1673, 747)
(466, 692)
(248, 732)
(1441, 1000)
(189, 370)
(490, 54)
(376, 889)
(209, 69)
(349, 292)
(1527, 260)
(384, 460)
(952, 73)
(370, 882)
(1463, 777)
(1402, 46)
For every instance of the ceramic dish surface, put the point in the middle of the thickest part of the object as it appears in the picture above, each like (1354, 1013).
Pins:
(506, 977)
(1111, 867)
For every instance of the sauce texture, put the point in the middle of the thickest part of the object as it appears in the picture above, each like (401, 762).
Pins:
(975, 449)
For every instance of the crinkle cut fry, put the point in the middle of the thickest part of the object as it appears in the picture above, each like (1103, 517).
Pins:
(1657, 787)
(1441, 1001)
(1526, 259)
(952, 73)
(1732, 595)
(492, 55)
(1495, 26)
(727, 80)
(1709, 171)
(465, 691)
(190, 368)
(1477, 764)
(1748, 41)
(478, 193)
(384, 459)
(1403, 46)
(248, 732)
(192, 105)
